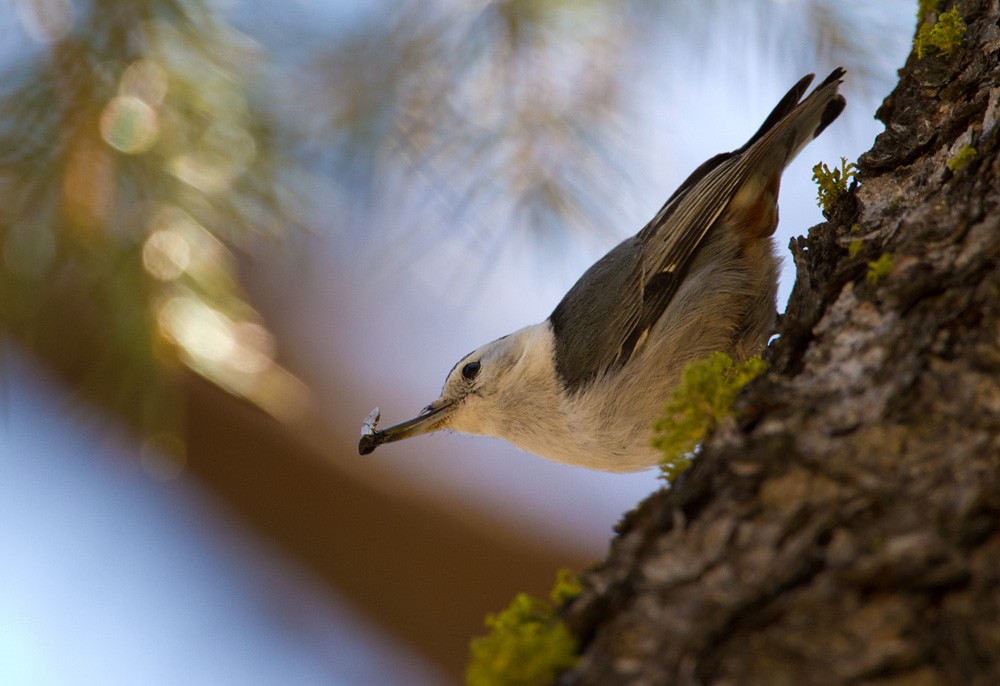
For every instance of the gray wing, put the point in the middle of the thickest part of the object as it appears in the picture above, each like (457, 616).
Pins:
(593, 317)
(604, 316)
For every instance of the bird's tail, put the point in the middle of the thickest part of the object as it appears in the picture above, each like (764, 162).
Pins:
(793, 124)
(741, 186)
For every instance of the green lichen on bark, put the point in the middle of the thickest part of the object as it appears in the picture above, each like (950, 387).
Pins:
(856, 244)
(942, 37)
(962, 158)
(703, 398)
(832, 183)
(528, 645)
(877, 269)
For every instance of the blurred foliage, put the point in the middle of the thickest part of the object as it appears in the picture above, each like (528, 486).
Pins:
(517, 111)
(144, 145)
(131, 159)
(496, 109)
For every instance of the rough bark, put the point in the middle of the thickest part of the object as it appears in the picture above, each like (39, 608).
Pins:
(846, 528)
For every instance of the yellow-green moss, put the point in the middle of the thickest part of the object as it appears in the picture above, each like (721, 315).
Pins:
(962, 158)
(527, 644)
(925, 7)
(942, 37)
(832, 183)
(856, 244)
(567, 587)
(704, 396)
(879, 268)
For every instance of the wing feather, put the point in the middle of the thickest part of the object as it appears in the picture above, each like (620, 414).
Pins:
(607, 314)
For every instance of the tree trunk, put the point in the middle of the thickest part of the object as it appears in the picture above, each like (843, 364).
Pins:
(846, 528)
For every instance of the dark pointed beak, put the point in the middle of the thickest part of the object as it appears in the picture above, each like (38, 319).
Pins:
(430, 419)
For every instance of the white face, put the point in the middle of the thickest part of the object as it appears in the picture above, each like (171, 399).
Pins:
(473, 385)
(491, 391)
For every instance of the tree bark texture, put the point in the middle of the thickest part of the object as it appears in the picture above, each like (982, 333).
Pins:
(845, 529)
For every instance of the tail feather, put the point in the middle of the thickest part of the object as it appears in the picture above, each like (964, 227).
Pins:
(784, 107)
(797, 126)
(753, 206)
(786, 117)
(832, 111)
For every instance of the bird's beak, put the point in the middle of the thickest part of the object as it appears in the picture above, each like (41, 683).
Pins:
(431, 418)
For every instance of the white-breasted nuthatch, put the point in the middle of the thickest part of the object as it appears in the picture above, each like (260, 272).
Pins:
(584, 386)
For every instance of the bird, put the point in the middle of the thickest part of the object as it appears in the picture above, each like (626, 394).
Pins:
(584, 386)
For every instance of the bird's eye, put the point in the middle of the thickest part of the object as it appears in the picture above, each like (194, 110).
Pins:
(471, 370)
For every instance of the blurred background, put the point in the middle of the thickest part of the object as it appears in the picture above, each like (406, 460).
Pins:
(230, 229)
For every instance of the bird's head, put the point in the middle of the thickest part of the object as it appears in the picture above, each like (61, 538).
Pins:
(481, 392)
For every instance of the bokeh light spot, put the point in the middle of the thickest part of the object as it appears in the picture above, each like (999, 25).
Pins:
(207, 257)
(163, 456)
(128, 124)
(224, 152)
(255, 347)
(146, 80)
(166, 254)
(203, 332)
